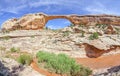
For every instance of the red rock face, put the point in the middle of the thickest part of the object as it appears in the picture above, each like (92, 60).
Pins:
(38, 21)
(93, 52)
(96, 19)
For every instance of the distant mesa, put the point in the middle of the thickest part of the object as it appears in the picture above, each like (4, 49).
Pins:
(38, 21)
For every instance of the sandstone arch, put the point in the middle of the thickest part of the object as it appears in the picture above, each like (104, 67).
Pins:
(39, 20)
(57, 21)
(58, 17)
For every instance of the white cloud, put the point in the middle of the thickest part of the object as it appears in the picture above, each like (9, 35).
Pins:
(14, 10)
(40, 3)
(14, 6)
(93, 7)
(63, 3)
(99, 8)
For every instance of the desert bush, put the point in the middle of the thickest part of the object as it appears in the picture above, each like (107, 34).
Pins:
(32, 36)
(2, 48)
(81, 25)
(62, 64)
(25, 59)
(44, 56)
(103, 26)
(80, 71)
(47, 28)
(13, 49)
(6, 37)
(71, 25)
(55, 30)
(117, 30)
(2, 51)
(66, 33)
(83, 34)
(93, 36)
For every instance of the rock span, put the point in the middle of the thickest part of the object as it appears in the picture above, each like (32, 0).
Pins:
(38, 21)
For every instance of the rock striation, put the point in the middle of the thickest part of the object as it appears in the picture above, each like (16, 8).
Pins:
(38, 20)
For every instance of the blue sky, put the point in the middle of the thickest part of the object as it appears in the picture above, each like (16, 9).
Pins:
(17, 8)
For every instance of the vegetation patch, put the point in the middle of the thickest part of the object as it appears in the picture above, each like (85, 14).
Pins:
(81, 25)
(71, 25)
(93, 36)
(61, 64)
(6, 37)
(25, 59)
(2, 48)
(32, 36)
(66, 33)
(83, 34)
(117, 30)
(13, 49)
(103, 26)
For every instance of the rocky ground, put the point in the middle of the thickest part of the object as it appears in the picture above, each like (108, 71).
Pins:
(111, 71)
(73, 41)
(9, 67)
(68, 40)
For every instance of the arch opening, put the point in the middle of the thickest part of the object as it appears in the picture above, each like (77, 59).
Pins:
(57, 23)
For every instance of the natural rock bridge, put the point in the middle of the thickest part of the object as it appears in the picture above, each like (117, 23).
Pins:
(38, 21)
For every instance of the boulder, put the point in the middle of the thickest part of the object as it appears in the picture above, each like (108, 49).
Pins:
(110, 30)
(9, 23)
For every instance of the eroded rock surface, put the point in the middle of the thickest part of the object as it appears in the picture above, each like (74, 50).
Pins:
(10, 67)
(38, 21)
(112, 71)
(71, 43)
(73, 40)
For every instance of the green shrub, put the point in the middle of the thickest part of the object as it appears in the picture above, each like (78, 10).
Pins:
(66, 33)
(83, 34)
(81, 71)
(2, 48)
(81, 25)
(13, 49)
(44, 56)
(55, 30)
(101, 25)
(93, 36)
(25, 59)
(6, 37)
(71, 25)
(62, 64)
(117, 30)
(47, 28)
(32, 36)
